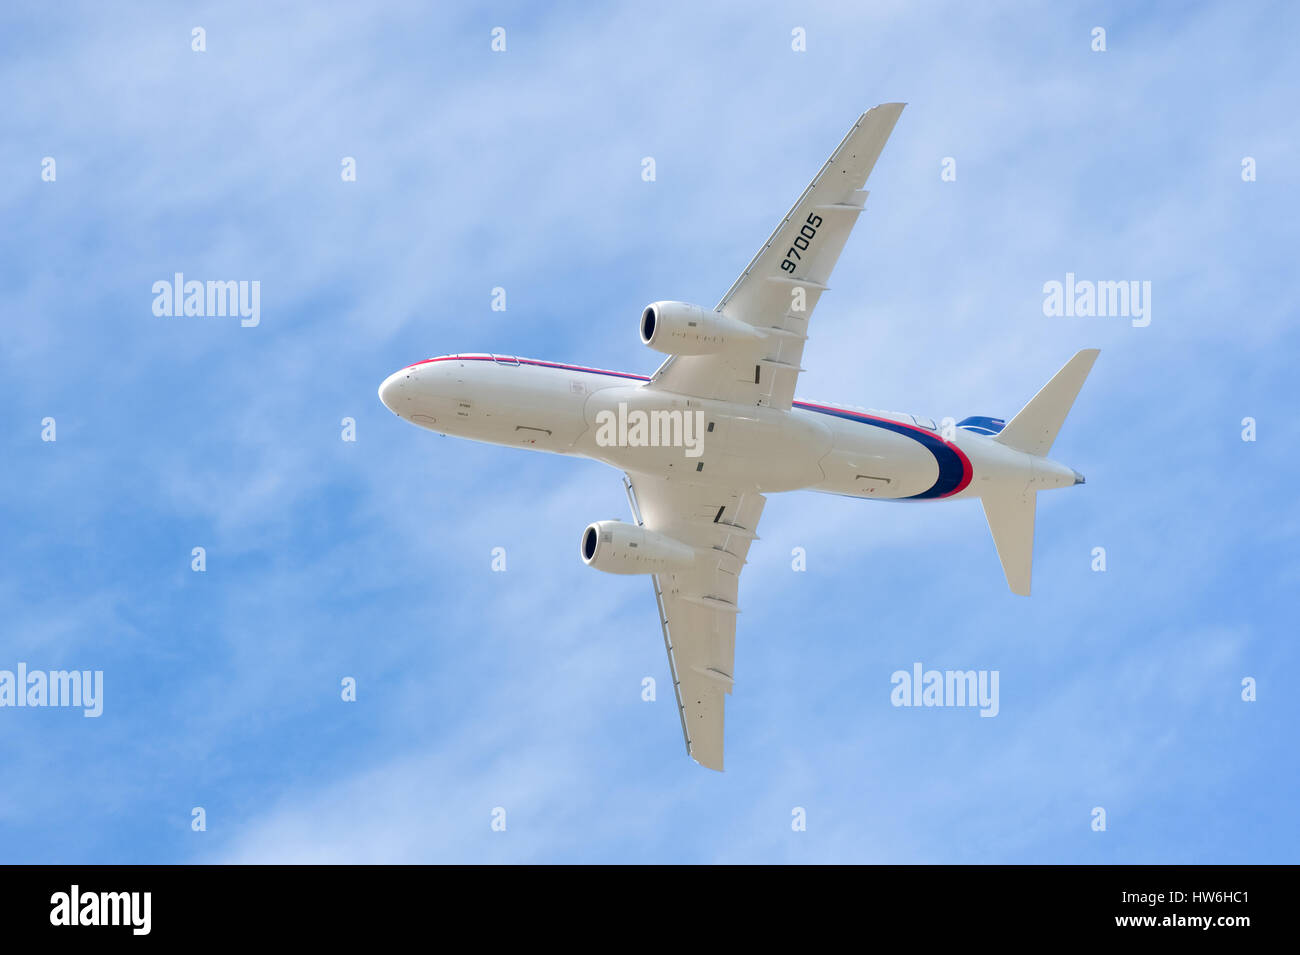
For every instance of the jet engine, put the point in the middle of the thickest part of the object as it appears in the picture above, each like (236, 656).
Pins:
(676, 328)
(617, 547)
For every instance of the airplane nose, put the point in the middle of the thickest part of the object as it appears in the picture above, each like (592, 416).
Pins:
(390, 390)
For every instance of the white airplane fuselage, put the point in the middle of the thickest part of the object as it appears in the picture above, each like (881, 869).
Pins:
(716, 430)
(590, 413)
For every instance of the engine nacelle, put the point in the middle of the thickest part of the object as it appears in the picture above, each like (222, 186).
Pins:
(617, 547)
(676, 328)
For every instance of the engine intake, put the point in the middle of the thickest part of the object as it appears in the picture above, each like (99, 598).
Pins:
(617, 547)
(677, 328)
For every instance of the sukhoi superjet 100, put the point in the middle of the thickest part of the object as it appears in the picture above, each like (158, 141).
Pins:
(709, 435)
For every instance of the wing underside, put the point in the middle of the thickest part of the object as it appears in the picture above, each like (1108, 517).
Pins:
(776, 294)
(782, 284)
(698, 607)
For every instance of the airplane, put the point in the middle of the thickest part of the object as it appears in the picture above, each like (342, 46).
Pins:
(716, 429)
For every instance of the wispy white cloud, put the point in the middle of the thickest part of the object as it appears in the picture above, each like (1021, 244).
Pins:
(522, 689)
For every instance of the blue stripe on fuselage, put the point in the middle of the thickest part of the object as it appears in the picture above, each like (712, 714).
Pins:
(952, 470)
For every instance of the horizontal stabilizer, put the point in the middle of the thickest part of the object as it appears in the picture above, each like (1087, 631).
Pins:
(1034, 430)
(1011, 519)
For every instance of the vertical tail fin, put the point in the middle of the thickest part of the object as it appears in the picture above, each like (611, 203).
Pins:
(1035, 428)
(1010, 513)
(1011, 520)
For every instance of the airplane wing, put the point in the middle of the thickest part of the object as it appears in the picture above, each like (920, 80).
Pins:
(782, 284)
(697, 607)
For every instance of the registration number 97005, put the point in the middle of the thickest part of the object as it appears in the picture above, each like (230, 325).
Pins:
(802, 242)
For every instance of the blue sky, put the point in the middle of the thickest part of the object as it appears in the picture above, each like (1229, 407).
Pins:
(372, 559)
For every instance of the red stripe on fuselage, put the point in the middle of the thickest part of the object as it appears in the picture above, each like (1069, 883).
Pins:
(531, 361)
(967, 472)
